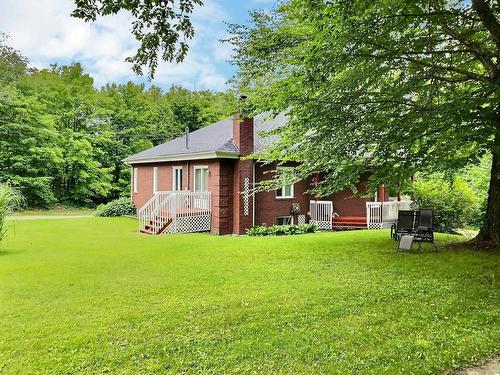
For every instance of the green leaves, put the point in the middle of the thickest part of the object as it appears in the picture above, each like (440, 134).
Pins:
(118, 207)
(162, 27)
(281, 230)
(62, 140)
(10, 199)
(389, 88)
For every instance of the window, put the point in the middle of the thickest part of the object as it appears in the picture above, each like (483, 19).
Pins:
(284, 220)
(200, 178)
(155, 180)
(286, 191)
(176, 178)
(134, 177)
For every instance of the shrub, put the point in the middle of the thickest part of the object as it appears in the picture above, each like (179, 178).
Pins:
(10, 199)
(281, 230)
(118, 207)
(455, 204)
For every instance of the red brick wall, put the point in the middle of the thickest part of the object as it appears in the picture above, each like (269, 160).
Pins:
(144, 185)
(345, 203)
(220, 183)
(268, 206)
(225, 181)
(241, 222)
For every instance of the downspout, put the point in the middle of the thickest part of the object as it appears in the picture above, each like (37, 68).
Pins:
(253, 193)
(131, 183)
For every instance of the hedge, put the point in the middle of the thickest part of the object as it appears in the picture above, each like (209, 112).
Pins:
(281, 230)
(118, 207)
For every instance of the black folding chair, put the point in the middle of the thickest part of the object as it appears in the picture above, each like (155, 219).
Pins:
(404, 224)
(424, 228)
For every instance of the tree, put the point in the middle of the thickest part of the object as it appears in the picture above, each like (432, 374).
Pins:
(390, 87)
(12, 64)
(63, 141)
(161, 27)
(29, 147)
(29, 152)
(10, 199)
(69, 100)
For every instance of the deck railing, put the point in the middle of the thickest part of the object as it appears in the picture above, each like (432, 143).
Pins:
(176, 212)
(382, 214)
(321, 214)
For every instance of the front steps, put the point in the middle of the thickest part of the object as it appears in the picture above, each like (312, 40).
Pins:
(156, 226)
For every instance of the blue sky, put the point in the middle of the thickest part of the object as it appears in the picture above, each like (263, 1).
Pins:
(44, 32)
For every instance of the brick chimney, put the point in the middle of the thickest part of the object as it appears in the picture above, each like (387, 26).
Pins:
(243, 175)
(243, 134)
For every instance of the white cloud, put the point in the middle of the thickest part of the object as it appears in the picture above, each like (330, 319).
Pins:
(44, 31)
(222, 51)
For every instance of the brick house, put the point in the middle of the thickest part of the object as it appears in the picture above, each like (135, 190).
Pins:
(199, 182)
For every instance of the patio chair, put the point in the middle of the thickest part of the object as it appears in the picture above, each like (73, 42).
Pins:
(405, 242)
(404, 224)
(424, 228)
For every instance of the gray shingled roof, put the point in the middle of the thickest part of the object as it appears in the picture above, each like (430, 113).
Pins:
(217, 137)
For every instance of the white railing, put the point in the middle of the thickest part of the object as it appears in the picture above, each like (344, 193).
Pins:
(176, 212)
(382, 214)
(321, 214)
(147, 211)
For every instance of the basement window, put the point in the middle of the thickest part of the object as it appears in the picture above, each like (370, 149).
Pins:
(284, 220)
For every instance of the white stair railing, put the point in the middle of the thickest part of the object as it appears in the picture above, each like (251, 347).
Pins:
(183, 211)
(151, 208)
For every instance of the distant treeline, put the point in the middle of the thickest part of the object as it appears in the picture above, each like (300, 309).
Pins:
(62, 141)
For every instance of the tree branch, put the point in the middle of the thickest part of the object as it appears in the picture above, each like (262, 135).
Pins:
(476, 50)
(465, 72)
(488, 19)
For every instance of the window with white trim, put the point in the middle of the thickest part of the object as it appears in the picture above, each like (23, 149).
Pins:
(176, 178)
(286, 191)
(155, 180)
(200, 178)
(284, 220)
(134, 178)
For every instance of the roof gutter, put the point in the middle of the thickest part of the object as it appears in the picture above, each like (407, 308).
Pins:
(184, 156)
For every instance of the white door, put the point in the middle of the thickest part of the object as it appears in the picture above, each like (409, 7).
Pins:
(201, 184)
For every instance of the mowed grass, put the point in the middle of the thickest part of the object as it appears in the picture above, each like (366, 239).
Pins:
(62, 211)
(94, 296)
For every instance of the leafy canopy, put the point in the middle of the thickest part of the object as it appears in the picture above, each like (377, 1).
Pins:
(390, 87)
(63, 141)
(162, 27)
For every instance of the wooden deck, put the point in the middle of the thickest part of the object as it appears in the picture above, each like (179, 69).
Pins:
(349, 222)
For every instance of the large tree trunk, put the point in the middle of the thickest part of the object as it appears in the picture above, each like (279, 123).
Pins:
(490, 231)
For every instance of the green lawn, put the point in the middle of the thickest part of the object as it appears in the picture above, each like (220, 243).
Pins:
(56, 212)
(94, 296)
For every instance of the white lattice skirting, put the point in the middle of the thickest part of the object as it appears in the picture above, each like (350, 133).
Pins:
(189, 224)
(246, 197)
(323, 225)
